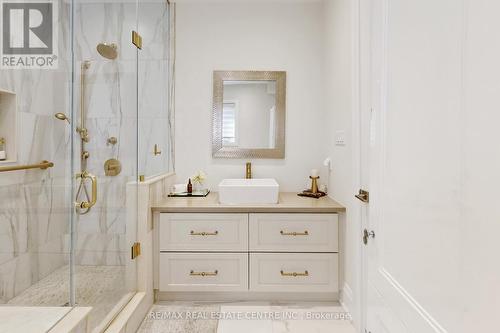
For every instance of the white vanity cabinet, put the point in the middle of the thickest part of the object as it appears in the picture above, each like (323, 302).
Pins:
(253, 254)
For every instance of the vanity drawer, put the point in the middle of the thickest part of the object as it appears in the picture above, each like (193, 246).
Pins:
(294, 232)
(203, 272)
(203, 232)
(294, 272)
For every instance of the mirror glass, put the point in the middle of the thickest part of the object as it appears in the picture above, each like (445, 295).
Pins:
(249, 114)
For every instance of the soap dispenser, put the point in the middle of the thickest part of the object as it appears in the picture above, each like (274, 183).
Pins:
(3, 155)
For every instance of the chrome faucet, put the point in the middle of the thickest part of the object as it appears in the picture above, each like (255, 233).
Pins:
(248, 171)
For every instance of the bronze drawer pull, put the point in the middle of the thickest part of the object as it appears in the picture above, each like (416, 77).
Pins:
(193, 233)
(294, 233)
(214, 273)
(295, 274)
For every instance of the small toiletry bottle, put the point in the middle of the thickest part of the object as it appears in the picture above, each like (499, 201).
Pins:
(3, 155)
(190, 186)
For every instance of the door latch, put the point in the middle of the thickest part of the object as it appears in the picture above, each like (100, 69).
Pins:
(367, 235)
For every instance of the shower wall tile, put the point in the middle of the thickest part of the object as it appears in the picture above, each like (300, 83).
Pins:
(153, 21)
(34, 215)
(154, 131)
(110, 22)
(36, 206)
(153, 88)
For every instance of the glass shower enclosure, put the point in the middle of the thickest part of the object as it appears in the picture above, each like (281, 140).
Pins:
(73, 149)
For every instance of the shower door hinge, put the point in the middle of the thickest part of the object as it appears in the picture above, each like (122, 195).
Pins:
(136, 250)
(137, 39)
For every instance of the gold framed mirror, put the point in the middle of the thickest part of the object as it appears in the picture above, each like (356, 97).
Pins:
(249, 114)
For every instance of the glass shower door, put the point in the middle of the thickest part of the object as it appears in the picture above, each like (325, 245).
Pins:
(105, 157)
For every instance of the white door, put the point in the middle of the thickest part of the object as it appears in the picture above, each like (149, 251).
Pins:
(410, 163)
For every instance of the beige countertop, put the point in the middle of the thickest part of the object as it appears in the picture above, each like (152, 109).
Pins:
(287, 203)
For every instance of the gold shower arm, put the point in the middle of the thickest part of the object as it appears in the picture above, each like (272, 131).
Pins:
(42, 165)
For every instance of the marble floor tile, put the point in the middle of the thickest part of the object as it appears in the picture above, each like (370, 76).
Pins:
(180, 317)
(247, 317)
(100, 287)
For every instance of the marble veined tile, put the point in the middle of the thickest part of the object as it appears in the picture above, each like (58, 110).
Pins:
(247, 317)
(30, 319)
(235, 319)
(174, 318)
(100, 287)
(285, 318)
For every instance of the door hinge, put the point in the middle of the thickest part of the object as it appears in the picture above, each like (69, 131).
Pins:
(136, 250)
(137, 39)
(363, 196)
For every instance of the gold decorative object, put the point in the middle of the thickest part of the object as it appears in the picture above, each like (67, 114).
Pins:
(313, 192)
(314, 184)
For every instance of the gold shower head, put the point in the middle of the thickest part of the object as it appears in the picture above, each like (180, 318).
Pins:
(62, 116)
(108, 51)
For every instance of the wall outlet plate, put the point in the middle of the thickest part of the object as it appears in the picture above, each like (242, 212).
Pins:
(340, 138)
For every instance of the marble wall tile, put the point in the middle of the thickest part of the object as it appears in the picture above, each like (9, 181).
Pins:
(36, 206)
(34, 214)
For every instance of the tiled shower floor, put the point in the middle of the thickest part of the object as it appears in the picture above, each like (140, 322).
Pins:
(100, 287)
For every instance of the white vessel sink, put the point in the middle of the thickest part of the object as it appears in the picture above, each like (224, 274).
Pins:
(248, 191)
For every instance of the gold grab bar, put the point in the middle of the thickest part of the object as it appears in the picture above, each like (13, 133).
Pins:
(87, 204)
(214, 273)
(294, 233)
(204, 233)
(42, 165)
(294, 274)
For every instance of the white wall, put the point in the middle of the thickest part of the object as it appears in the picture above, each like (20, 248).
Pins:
(480, 119)
(250, 36)
(338, 85)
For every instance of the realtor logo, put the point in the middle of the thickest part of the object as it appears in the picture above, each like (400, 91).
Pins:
(29, 34)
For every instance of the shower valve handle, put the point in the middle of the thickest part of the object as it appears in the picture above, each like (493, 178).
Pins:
(88, 204)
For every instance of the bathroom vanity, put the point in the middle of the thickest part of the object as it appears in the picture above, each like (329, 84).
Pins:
(204, 250)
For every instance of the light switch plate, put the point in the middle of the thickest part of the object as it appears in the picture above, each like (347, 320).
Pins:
(340, 138)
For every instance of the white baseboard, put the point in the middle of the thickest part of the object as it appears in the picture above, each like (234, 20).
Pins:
(349, 304)
(347, 299)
